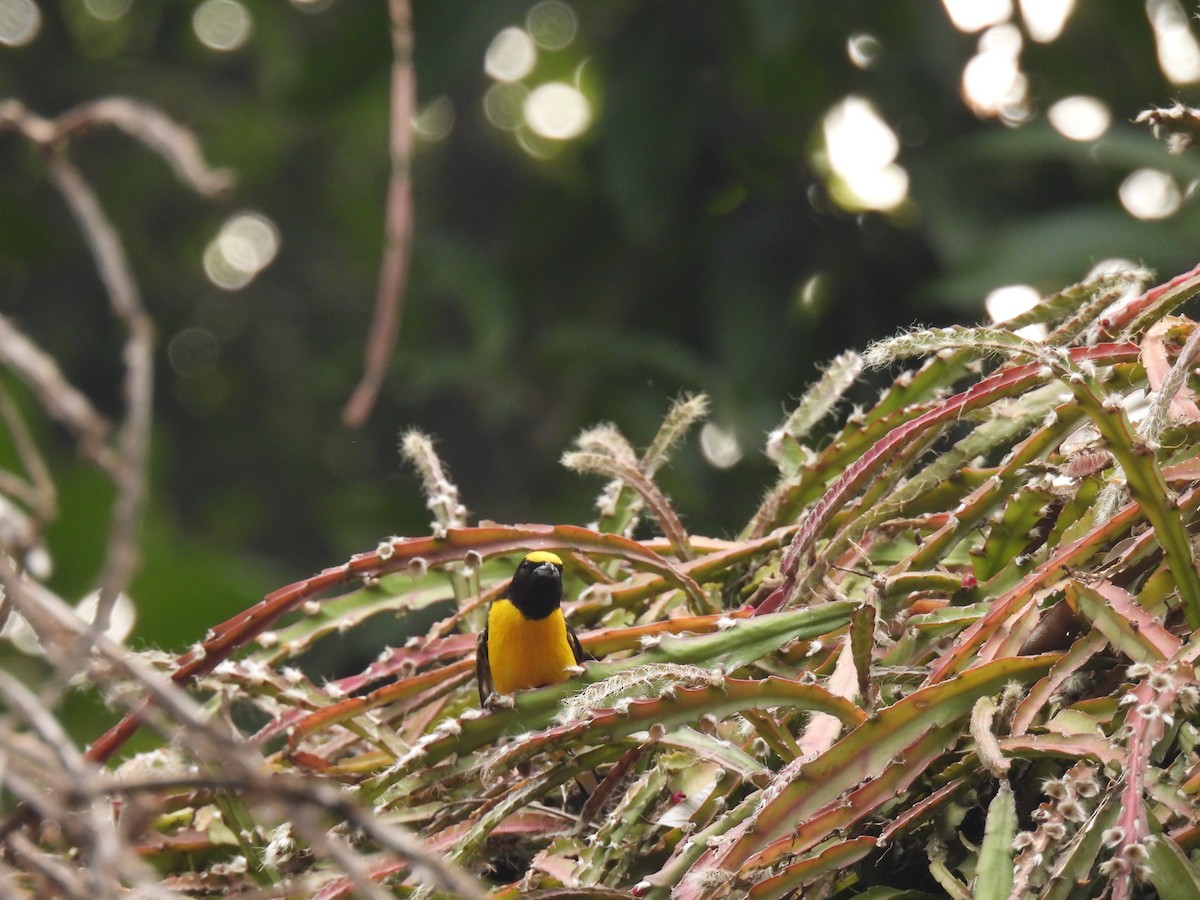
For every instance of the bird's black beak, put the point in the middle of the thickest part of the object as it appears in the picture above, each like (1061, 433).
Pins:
(546, 570)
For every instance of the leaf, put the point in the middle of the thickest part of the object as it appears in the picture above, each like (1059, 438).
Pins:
(1005, 383)
(1129, 628)
(795, 876)
(1072, 869)
(748, 640)
(994, 873)
(868, 750)
(1171, 872)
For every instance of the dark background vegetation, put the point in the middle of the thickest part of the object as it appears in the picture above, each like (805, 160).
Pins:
(667, 249)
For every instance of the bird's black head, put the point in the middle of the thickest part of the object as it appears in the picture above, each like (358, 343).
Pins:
(537, 588)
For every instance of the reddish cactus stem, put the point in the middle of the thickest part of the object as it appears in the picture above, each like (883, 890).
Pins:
(396, 556)
(1007, 381)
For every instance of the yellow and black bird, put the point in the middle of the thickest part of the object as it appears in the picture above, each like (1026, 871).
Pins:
(527, 643)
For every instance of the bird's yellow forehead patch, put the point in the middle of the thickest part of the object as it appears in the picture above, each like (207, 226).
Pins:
(543, 556)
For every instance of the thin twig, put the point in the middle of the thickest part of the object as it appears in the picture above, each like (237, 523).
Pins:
(37, 801)
(8, 884)
(64, 878)
(281, 787)
(181, 151)
(121, 559)
(23, 701)
(61, 400)
(179, 148)
(349, 863)
(106, 857)
(143, 122)
(64, 635)
(398, 227)
(158, 132)
(41, 495)
(13, 485)
(35, 129)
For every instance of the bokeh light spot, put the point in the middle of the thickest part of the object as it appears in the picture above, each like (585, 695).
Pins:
(504, 105)
(535, 145)
(1150, 194)
(107, 10)
(1079, 118)
(1178, 50)
(1045, 19)
(511, 55)
(20, 21)
(223, 25)
(974, 15)
(220, 272)
(860, 149)
(992, 81)
(720, 446)
(863, 49)
(857, 137)
(249, 240)
(245, 245)
(435, 120)
(557, 111)
(193, 352)
(1002, 39)
(552, 24)
(813, 294)
(1011, 300)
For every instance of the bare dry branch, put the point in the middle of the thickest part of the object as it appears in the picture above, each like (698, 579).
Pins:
(23, 701)
(61, 879)
(182, 152)
(37, 130)
(40, 495)
(108, 859)
(58, 396)
(160, 133)
(144, 123)
(398, 228)
(66, 637)
(8, 884)
(121, 560)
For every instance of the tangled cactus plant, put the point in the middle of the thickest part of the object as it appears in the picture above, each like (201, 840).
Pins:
(952, 653)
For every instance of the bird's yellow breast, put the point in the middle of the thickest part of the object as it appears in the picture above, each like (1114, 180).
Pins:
(526, 653)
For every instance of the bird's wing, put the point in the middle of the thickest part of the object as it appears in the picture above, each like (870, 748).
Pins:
(483, 668)
(576, 647)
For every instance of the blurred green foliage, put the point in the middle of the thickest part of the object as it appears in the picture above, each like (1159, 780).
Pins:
(667, 248)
